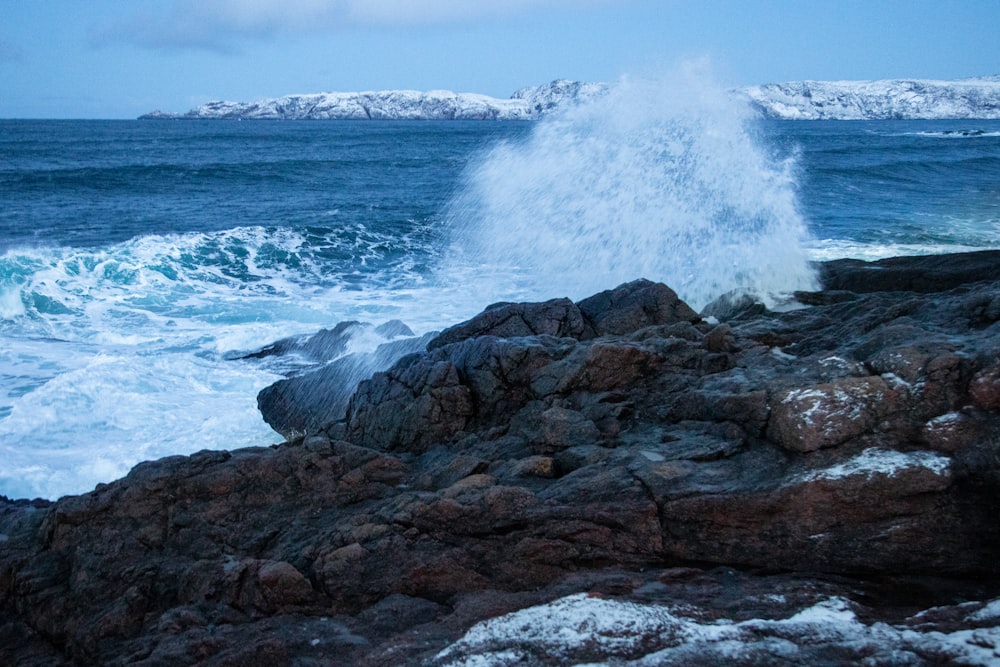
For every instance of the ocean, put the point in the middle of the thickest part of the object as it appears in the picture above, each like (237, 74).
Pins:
(139, 260)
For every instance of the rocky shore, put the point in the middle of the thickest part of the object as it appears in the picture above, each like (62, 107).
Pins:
(616, 480)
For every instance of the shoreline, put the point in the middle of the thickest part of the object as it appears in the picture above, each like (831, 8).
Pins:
(622, 446)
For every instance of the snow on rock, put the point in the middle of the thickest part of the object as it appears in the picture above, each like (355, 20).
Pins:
(829, 414)
(584, 628)
(799, 100)
(884, 462)
(878, 100)
(525, 104)
(990, 613)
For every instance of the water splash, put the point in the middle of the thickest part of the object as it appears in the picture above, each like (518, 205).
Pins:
(659, 178)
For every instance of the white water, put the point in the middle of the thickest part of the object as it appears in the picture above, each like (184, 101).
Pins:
(660, 179)
(116, 355)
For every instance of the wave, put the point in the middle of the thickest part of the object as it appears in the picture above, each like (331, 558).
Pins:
(660, 178)
(114, 355)
(245, 274)
(77, 415)
(830, 249)
(954, 134)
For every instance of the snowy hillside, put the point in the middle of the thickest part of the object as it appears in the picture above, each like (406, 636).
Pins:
(525, 104)
(800, 100)
(879, 100)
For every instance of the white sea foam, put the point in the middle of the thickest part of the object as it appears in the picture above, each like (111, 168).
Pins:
(659, 178)
(111, 356)
(830, 249)
(92, 423)
(954, 134)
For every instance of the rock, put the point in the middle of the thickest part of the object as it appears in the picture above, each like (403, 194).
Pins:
(632, 456)
(933, 273)
(307, 402)
(558, 317)
(766, 626)
(324, 345)
(635, 305)
(829, 414)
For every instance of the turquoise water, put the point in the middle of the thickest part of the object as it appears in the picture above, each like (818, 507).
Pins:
(138, 258)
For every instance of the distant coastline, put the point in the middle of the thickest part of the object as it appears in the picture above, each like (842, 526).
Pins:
(892, 99)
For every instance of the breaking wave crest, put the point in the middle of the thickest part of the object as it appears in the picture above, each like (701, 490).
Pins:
(660, 178)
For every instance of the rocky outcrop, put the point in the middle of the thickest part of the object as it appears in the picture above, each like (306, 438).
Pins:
(837, 462)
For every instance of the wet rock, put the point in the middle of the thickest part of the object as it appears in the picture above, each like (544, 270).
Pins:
(851, 445)
(928, 274)
(829, 414)
(305, 403)
(558, 317)
(635, 305)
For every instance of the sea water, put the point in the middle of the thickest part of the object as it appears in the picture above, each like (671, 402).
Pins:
(140, 259)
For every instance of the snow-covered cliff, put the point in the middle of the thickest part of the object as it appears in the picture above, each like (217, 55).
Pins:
(879, 100)
(525, 104)
(800, 100)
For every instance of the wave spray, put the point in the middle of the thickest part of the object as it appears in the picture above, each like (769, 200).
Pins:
(658, 178)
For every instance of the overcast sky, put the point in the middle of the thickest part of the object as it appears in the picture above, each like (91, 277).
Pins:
(122, 58)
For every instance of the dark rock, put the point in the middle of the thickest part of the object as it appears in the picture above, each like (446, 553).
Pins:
(635, 305)
(305, 403)
(323, 345)
(558, 317)
(851, 445)
(734, 306)
(932, 273)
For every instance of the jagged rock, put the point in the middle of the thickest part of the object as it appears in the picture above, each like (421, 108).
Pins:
(324, 345)
(829, 414)
(852, 443)
(635, 305)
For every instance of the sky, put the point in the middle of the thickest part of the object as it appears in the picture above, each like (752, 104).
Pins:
(123, 58)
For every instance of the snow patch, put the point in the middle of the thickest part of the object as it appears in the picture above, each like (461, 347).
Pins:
(895, 381)
(885, 462)
(816, 399)
(991, 612)
(946, 419)
(580, 626)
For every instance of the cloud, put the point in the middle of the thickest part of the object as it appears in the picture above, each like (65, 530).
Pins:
(430, 12)
(220, 25)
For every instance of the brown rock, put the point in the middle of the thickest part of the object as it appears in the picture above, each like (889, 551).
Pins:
(495, 472)
(827, 415)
